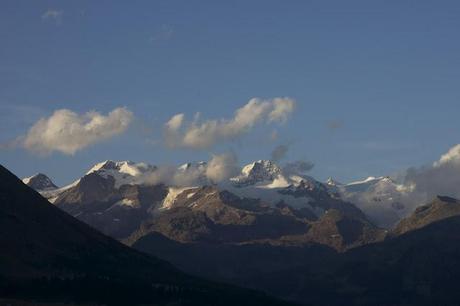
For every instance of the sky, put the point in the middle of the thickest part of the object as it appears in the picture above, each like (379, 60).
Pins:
(374, 83)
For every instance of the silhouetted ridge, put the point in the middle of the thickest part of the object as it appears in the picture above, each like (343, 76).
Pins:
(447, 199)
(49, 255)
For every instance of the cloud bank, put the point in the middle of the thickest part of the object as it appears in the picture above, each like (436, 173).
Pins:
(298, 167)
(203, 135)
(68, 132)
(440, 178)
(219, 168)
(222, 167)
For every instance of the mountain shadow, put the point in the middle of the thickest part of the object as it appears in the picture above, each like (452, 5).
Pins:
(49, 256)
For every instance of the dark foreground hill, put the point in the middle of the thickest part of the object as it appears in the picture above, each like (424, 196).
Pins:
(418, 267)
(47, 255)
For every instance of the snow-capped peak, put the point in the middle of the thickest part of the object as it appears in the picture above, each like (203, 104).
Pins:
(266, 174)
(331, 182)
(108, 164)
(258, 171)
(383, 199)
(126, 167)
(188, 166)
(39, 182)
(124, 172)
(263, 168)
(367, 180)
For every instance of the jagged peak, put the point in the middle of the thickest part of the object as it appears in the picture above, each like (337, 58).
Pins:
(107, 164)
(39, 181)
(189, 165)
(126, 167)
(257, 171)
(446, 199)
(27, 179)
(331, 182)
(261, 165)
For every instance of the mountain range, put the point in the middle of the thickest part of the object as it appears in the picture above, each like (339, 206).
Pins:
(273, 229)
(49, 256)
(260, 205)
(118, 199)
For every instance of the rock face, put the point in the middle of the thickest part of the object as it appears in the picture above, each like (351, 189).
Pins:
(343, 231)
(111, 197)
(414, 268)
(47, 254)
(114, 211)
(207, 214)
(440, 208)
(261, 205)
(107, 196)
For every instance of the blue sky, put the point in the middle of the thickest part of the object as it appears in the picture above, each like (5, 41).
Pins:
(376, 82)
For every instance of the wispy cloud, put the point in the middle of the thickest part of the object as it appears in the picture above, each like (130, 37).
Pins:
(279, 152)
(335, 125)
(203, 135)
(163, 33)
(53, 15)
(440, 178)
(298, 167)
(219, 168)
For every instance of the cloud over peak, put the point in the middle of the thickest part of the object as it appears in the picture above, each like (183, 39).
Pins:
(219, 168)
(440, 178)
(222, 167)
(68, 132)
(202, 135)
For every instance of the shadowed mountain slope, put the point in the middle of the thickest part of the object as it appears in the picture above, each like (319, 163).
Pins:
(48, 255)
(419, 267)
(440, 208)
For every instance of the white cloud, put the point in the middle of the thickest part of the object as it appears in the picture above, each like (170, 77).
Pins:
(194, 175)
(172, 127)
(68, 132)
(175, 122)
(440, 178)
(419, 186)
(219, 168)
(452, 156)
(202, 135)
(53, 14)
(162, 175)
(222, 167)
(282, 107)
